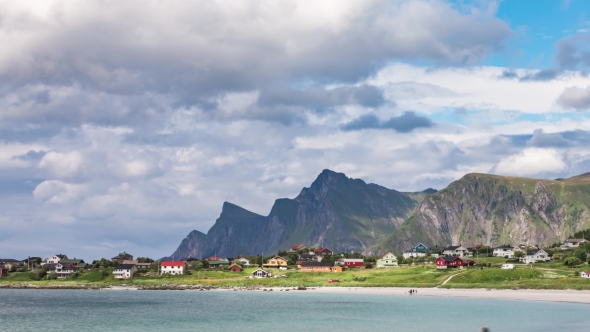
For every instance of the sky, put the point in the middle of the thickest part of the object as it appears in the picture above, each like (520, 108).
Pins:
(124, 125)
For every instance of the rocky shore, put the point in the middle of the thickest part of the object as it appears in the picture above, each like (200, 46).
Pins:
(143, 287)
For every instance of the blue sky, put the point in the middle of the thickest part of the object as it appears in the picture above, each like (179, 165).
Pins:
(538, 25)
(126, 125)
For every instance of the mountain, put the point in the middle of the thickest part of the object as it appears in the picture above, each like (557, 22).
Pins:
(335, 211)
(191, 246)
(491, 209)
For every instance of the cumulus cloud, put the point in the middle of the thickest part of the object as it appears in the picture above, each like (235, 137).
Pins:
(573, 52)
(62, 164)
(541, 139)
(575, 98)
(531, 162)
(58, 192)
(129, 57)
(404, 123)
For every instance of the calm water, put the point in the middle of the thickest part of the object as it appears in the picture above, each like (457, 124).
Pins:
(75, 310)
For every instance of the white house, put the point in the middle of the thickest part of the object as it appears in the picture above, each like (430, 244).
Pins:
(172, 267)
(414, 254)
(260, 273)
(243, 261)
(456, 251)
(55, 259)
(125, 271)
(387, 260)
(63, 270)
(585, 274)
(536, 255)
(505, 251)
(572, 243)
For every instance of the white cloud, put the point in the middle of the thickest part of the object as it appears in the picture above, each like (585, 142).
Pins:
(58, 192)
(62, 164)
(530, 162)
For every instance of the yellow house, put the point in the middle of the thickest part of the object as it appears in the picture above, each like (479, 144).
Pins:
(276, 262)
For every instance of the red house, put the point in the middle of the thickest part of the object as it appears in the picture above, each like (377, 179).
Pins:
(350, 262)
(323, 252)
(447, 262)
(235, 268)
(3, 271)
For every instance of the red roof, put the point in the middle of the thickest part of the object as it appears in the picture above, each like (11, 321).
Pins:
(173, 263)
(587, 272)
(320, 249)
(213, 258)
(298, 246)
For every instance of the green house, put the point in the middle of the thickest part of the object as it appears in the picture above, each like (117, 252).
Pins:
(387, 260)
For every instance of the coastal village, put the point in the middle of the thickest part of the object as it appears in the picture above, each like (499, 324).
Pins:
(304, 259)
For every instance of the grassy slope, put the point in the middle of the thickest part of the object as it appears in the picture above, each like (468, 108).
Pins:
(572, 202)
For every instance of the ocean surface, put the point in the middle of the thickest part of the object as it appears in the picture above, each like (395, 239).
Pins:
(117, 310)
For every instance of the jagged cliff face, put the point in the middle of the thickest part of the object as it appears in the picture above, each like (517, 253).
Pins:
(335, 211)
(192, 246)
(492, 210)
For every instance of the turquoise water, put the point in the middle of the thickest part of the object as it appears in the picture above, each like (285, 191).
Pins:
(78, 310)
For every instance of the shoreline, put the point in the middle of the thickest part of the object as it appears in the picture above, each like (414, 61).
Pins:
(566, 296)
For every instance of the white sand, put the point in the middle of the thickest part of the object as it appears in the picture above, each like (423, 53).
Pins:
(573, 296)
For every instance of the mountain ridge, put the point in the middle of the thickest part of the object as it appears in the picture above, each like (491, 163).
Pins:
(351, 215)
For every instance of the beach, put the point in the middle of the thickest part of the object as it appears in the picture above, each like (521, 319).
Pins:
(571, 296)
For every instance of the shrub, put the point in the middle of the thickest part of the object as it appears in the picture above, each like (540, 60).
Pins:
(52, 276)
(572, 261)
(581, 255)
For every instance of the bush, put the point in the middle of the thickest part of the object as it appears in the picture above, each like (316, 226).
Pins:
(52, 276)
(361, 279)
(581, 255)
(572, 261)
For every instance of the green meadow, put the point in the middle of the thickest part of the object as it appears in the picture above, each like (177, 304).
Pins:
(539, 276)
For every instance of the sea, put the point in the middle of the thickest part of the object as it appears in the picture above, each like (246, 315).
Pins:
(128, 310)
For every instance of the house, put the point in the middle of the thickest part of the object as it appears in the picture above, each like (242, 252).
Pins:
(260, 273)
(535, 256)
(505, 251)
(122, 256)
(323, 252)
(30, 260)
(411, 253)
(9, 262)
(350, 262)
(137, 264)
(299, 247)
(458, 251)
(319, 267)
(308, 257)
(469, 262)
(3, 271)
(572, 243)
(387, 260)
(55, 259)
(447, 262)
(216, 261)
(235, 268)
(585, 274)
(63, 270)
(125, 271)
(74, 262)
(172, 267)
(276, 262)
(244, 261)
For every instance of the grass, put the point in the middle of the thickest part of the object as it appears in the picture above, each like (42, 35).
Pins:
(557, 277)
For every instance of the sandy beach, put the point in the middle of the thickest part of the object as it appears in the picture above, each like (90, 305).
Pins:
(572, 296)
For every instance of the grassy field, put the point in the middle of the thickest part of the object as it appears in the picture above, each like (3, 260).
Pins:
(540, 276)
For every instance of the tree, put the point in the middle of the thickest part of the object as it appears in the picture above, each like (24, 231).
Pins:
(572, 261)
(196, 265)
(581, 255)
(519, 254)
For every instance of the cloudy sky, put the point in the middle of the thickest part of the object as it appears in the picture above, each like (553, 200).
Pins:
(124, 125)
